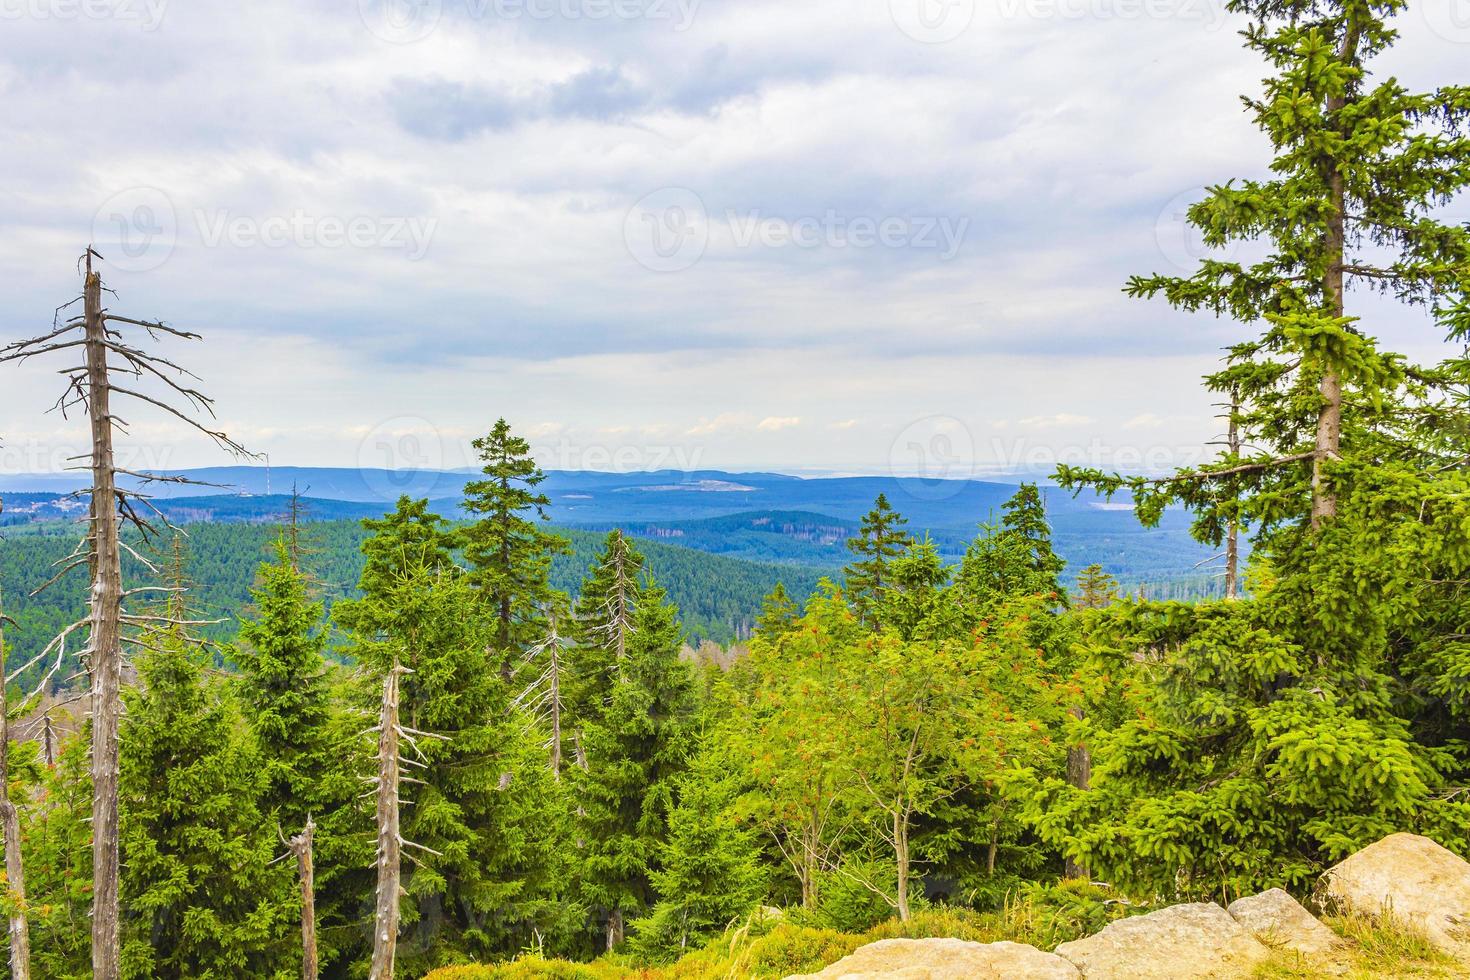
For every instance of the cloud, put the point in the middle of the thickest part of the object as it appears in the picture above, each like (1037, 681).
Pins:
(526, 142)
(776, 424)
(720, 423)
(1059, 421)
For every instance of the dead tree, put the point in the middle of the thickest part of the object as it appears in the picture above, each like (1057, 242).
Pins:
(301, 846)
(20, 931)
(390, 846)
(106, 354)
(543, 698)
(392, 736)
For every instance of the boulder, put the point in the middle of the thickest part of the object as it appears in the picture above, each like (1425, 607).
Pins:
(1412, 879)
(1279, 921)
(1178, 943)
(947, 959)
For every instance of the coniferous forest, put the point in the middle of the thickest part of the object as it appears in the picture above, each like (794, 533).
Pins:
(495, 756)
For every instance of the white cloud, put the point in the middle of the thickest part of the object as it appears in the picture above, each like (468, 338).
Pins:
(1059, 421)
(528, 301)
(776, 424)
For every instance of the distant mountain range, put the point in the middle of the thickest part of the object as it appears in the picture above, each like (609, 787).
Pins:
(763, 517)
(590, 497)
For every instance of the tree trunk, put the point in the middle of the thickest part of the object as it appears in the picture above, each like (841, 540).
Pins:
(390, 843)
(20, 932)
(1329, 416)
(901, 855)
(614, 929)
(1232, 537)
(1079, 775)
(48, 742)
(556, 710)
(104, 644)
(302, 846)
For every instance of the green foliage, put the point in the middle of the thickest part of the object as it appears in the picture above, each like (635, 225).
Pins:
(57, 850)
(636, 747)
(709, 872)
(304, 743)
(880, 540)
(508, 552)
(200, 895)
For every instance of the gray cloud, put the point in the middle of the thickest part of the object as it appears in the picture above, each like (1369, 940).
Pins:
(520, 146)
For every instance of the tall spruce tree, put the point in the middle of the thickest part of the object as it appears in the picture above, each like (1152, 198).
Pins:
(285, 690)
(201, 894)
(636, 748)
(709, 869)
(508, 551)
(880, 540)
(1360, 174)
(1014, 558)
(1232, 739)
(482, 814)
(283, 686)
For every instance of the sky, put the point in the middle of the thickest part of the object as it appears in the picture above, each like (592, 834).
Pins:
(827, 236)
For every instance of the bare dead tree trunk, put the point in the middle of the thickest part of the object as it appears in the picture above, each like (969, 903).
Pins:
(20, 931)
(1232, 537)
(614, 929)
(48, 742)
(105, 643)
(556, 711)
(92, 384)
(390, 842)
(1079, 775)
(301, 846)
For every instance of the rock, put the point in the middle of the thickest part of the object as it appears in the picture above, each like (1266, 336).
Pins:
(1412, 879)
(947, 959)
(1279, 921)
(1177, 943)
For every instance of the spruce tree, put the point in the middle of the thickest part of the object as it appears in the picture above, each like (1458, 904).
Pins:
(508, 552)
(1096, 589)
(1014, 558)
(283, 687)
(56, 835)
(709, 872)
(636, 748)
(201, 894)
(880, 540)
(1361, 171)
(482, 816)
(285, 690)
(778, 614)
(1234, 740)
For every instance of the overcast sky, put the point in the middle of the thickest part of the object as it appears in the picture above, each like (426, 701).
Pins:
(826, 235)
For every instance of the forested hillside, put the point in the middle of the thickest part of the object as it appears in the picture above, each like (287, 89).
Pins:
(718, 598)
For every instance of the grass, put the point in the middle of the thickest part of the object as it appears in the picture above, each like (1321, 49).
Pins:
(1372, 948)
(1042, 917)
